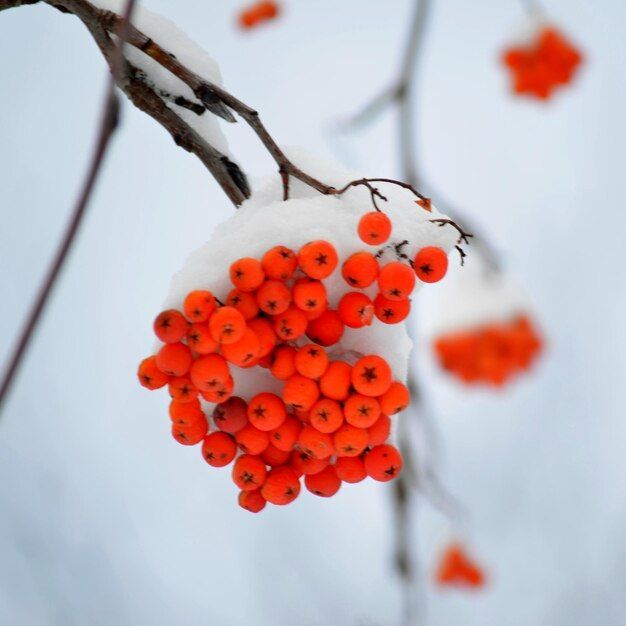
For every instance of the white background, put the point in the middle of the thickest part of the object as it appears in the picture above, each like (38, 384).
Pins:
(105, 520)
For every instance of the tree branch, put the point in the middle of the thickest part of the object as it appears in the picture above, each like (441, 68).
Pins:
(108, 124)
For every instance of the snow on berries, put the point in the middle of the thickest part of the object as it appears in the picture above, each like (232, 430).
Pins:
(542, 63)
(287, 360)
(484, 333)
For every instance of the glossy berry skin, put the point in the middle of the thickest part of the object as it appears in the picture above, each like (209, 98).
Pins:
(430, 264)
(327, 329)
(318, 259)
(374, 228)
(325, 483)
(360, 270)
(232, 415)
(174, 359)
(150, 376)
(281, 486)
(170, 326)
(249, 472)
(391, 311)
(199, 305)
(383, 463)
(252, 501)
(219, 449)
(356, 309)
(371, 375)
(247, 274)
(396, 281)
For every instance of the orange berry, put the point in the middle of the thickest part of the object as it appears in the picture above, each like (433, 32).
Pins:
(285, 436)
(325, 483)
(356, 310)
(374, 228)
(430, 264)
(391, 311)
(360, 269)
(199, 305)
(249, 472)
(247, 274)
(182, 390)
(279, 263)
(252, 501)
(244, 302)
(186, 413)
(243, 351)
(219, 449)
(379, 431)
(350, 440)
(305, 464)
(200, 339)
(300, 392)
(326, 415)
(383, 462)
(231, 416)
(252, 440)
(174, 359)
(395, 399)
(361, 411)
(266, 411)
(371, 375)
(327, 329)
(190, 434)
(150, 376)
(221, 392)
(396, 281)
(273, 297)
(170, 326)
(350, 469)
(310, 295)
(266, 336)
(281, 486)
(314, 443)
(274, 456)
(336, 381)
(291, 324)
(311, 361)
(283, 362)
(209, 372)
(317, 259)
(227, 325)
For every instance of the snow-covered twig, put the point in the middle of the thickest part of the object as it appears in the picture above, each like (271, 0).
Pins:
(108, 124)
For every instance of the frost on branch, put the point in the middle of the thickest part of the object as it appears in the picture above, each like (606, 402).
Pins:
(277, 334)
(482, 326)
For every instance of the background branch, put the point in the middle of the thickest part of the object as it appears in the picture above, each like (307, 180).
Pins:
(108, 124)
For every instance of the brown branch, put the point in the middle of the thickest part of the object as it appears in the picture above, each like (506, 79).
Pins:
(108, 124)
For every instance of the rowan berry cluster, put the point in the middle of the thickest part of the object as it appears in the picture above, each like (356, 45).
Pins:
(542, 65)
(331, 421)
(257, 13)
(490, 354)
(457, 569)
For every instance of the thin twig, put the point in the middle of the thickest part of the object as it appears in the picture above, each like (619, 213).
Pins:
(108, 124)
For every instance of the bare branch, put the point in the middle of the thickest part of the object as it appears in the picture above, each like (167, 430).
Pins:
(108, 124)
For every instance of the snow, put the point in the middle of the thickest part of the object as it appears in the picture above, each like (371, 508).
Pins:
(266, 220)
(475, 295)
(171, 38)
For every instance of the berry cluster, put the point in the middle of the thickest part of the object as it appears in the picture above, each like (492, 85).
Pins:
(331, 421)
(490, 354)
(257, 13)
(539, 67)
(456, 569)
